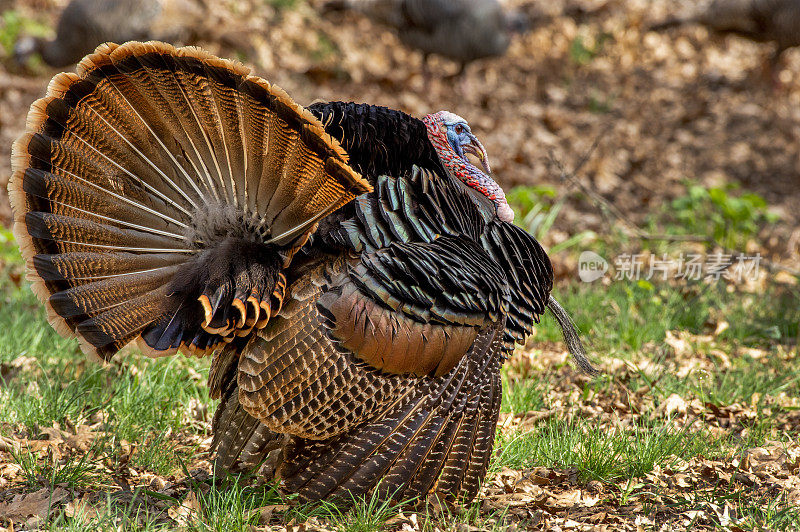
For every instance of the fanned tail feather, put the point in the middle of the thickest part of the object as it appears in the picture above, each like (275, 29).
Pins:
(158, 192)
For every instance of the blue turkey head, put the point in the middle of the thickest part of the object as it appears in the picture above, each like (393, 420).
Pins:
(461, 139)
(452, 139)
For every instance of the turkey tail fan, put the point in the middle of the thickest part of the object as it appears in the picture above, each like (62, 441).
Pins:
(134, 170)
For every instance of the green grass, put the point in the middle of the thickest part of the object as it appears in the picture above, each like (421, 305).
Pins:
(136, 395)
(153, 400)
(325, 48)
(583, 50)
(750, 511)
(283, 4)
(767, 513)
(599, 453)
(145, 402)
(630, 321)
(230, 504)
(66, 390)
(45, 470)
(157, 453)
(218, 506)
(624, 316)
(523, 395)
(46, 381)
(114, 515)
(365, 514)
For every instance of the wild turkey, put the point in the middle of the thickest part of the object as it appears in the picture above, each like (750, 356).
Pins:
(460, 30)
(355, 278)
(775, 21)
(86, 23)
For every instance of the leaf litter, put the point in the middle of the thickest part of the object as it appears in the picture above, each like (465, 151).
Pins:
(572, 79)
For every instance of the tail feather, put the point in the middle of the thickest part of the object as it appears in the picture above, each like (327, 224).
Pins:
(483, 443)
(228, 103)
(135, 102)
(67, 233)
(87, 134)
(111, 330)
(104, 294)
(240, 441)
(455, 465)
(149, 185)
(257, 121)
(98, 134)
(432, 465)
(92, 266)
(47, 191)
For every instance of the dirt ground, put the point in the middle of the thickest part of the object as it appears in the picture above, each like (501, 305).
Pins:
(666, 107)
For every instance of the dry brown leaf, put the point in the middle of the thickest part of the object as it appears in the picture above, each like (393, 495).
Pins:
(51, 434)
(36, 504)
(565, 499)
(7, 445)
(83, 439)
(187, 512)
(674, 404)
(265, 512)
(80, 507)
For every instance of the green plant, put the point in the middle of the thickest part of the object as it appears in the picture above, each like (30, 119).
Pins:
(325, 48)
(116, 514)
(729, 219)
(9, 251)
(229, 505)
(283, 4)
(13, 24)
(599, 453)
(537, 210)
(748, 510)
(583, 50)
(153, 400)
(156, 453)
(366, 514)
(56, 399)
(625, 316)
(524, 395)
(49, 471)
(599, 102)
(767, 513)
(461, 517)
